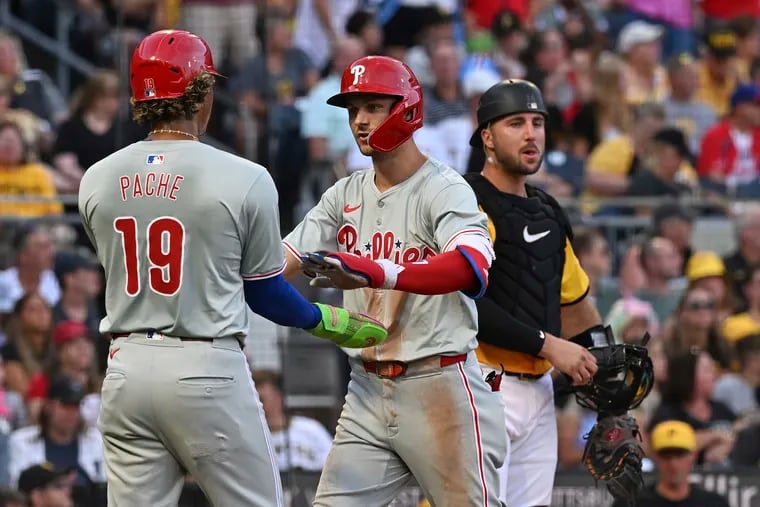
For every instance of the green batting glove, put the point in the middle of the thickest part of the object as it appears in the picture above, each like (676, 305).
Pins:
(349, 329)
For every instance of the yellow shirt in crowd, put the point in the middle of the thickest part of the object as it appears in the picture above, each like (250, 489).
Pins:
(27, 180)
(715, 95)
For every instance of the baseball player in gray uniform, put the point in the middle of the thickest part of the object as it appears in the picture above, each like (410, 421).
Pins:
(188, 235)
(407, 242)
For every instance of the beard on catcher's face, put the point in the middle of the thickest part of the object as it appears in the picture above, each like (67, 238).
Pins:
(524, 162)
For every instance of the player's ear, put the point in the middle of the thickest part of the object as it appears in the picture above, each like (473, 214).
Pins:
(487, 137)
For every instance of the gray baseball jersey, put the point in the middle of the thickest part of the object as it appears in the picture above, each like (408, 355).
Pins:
(421, 217)
(178, 226)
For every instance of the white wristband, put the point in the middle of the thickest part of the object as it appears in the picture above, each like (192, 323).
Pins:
(391, 271)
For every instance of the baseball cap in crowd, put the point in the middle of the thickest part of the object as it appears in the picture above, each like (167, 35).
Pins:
(721, 42)
(66, 390)
(477, 81)
(675, 138)
(67, 262)
(505, 23)
(704, 264)
(637, 32)
(673, 435)
(68, 330)
(669, 211)
(40, 476)
(745, 93)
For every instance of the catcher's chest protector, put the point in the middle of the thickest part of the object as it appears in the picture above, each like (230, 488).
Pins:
(526, 277)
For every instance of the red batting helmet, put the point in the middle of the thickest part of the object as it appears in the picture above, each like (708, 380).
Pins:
(165, 62)
(385, 76)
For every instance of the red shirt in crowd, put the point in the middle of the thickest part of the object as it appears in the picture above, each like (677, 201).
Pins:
(721, 9)
(484, 11)
(719, 155)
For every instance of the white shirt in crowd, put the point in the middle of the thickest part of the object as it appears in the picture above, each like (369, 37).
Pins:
(304, 446)
(11, 289)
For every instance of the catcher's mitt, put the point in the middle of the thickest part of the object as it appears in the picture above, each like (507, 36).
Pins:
(613, 454)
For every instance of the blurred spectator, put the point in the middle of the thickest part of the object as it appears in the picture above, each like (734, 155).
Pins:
(317, 26)
(705, 270)
(674, 443)
(717, 72)
(22, 177)
(13, 410)
(61, 438)
(747, 253)
(511, 40)
(630, 319)
(549, 68)
(92, 132)
(674, 222)
(80, 280)
(682, 109)
(74, 358)
(695, 326)
(32, 272)
(645, 80)
(606, 116)
(363, 25)
(663, 173)
(47, 486)
(742, 325)
(299, 442)
(37, 135)
(610, 165)
(28, 347)
(444, 100)
(271, 85)
(730, 153)
(676, 18)
(325, 128)
(226, 25)
(439, 27)
(686, 397)
(737, 390)
(662, 285)
(409, 23)
(593, 253)
(33, 90)
(12, 498)
(747, 44)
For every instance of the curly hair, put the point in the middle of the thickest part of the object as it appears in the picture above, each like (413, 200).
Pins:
(181, 108)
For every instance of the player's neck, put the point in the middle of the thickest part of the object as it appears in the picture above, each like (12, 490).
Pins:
(184, 130)
(397, 166)
(673, 493)
(504, 182)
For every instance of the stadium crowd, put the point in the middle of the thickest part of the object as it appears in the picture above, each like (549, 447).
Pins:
(648, 99)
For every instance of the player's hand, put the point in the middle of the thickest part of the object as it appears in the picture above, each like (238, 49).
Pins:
(342, 270)
(349, 329)
(570, 358)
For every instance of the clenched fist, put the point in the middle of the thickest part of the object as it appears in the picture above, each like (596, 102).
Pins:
(570, 358)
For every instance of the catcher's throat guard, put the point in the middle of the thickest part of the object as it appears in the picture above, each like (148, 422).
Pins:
(625, 376)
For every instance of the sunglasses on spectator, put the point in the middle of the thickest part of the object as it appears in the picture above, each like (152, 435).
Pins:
(708, 304)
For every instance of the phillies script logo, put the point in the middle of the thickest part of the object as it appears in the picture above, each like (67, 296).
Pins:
(382, 245)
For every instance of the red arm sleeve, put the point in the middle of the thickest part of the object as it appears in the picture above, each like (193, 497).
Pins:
(464, 269)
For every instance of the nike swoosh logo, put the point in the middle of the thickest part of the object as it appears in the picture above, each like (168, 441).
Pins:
(541, 335)
(349, 209)
(531, 238)
(113, 352)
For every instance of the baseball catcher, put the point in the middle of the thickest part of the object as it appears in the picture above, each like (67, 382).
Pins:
(613, 452)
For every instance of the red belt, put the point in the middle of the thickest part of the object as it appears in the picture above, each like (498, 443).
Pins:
(393, 369)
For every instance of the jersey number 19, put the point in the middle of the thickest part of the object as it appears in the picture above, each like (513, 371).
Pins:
(165, 251)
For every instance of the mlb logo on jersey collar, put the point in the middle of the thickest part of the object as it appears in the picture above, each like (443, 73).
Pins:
(154, 159)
